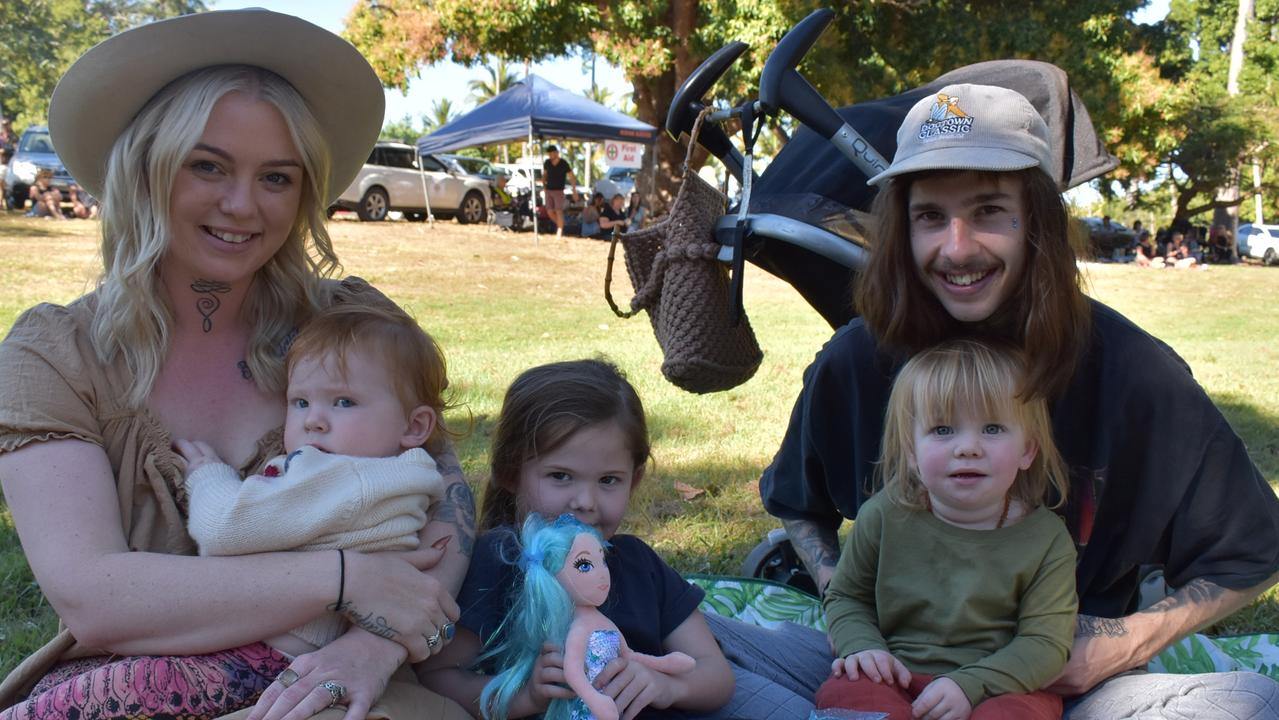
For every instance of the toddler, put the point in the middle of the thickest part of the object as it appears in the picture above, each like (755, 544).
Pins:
(955, 593)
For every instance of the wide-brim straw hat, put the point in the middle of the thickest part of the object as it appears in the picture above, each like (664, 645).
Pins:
(105, 89)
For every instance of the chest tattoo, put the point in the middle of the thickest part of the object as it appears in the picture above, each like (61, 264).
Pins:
(208, 303)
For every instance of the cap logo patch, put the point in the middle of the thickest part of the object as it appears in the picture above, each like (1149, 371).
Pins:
(945, 118)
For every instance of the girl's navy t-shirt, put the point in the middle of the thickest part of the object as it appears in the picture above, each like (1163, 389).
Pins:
(648, 599)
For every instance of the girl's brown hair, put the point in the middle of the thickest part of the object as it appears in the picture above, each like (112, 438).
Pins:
(1047, 316)
(413, 359)
(542, 409)
(930, 389)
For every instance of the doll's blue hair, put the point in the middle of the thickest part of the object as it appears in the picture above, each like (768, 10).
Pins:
(542, 612)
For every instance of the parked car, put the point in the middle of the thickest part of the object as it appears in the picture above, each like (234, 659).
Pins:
(1105, 238)
(473, 166)
(391, 180)
(34, 153)
(618, 181)
(1259, 241)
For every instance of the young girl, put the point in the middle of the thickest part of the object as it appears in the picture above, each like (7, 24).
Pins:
(572, 438)
(955, 593)
(366, 394)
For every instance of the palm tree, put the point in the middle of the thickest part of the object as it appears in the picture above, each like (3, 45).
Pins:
(603, 96)
(500, 78)
(600, 94)
(441, 114)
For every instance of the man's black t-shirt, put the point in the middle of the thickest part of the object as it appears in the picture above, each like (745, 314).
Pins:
(555, 176)
(647, 601)
(1196, 505)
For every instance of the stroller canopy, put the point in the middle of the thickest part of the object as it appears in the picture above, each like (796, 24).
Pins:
(541, 109)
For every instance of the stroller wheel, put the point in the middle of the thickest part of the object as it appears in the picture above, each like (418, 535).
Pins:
(775, 559)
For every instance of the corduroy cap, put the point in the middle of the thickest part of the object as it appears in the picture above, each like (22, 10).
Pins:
(971, 127)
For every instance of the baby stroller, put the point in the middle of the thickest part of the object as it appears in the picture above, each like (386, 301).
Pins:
(511, 212)
(804, 219)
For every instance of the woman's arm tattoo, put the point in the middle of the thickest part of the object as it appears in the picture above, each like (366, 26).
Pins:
(210, 303)
(458, 509)
(376, 625)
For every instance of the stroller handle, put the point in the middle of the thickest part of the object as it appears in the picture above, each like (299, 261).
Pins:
(781, 87)
(784, 60)
(687, 104)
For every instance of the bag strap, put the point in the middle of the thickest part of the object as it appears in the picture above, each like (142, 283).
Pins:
(692, 137)
(647, 295)
(608, 279)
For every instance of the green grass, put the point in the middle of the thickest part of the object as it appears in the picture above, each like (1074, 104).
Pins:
(498, 304)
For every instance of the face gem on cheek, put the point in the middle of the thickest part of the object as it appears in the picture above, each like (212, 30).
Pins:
(1016, 223)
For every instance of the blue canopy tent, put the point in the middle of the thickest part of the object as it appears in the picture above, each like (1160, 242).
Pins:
(534, 107)
(537, 108)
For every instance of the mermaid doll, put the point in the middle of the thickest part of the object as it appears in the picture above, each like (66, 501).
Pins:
(565, 581)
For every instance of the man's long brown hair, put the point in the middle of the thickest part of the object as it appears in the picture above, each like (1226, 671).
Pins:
(1046, 317)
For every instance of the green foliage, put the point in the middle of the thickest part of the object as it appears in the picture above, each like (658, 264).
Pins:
(442, 113)
(500, 78)
(43, 37)
(406, 129)
(1200, 134)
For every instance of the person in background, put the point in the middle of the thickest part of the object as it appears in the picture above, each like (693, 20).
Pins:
(614, 214)
(636, 210)
(83, 205)
(556, 176)
(8, 144)
(46, 200)
(591, 216)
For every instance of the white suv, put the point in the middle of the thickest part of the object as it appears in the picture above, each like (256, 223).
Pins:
(390, 180)
(1260, 241)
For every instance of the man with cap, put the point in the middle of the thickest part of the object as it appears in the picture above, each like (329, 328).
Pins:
(8, 144)
(555, 175)
(972, 241)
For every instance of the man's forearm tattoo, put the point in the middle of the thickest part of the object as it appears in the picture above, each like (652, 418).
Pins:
(366, 621)
(458, 509)
(1090, 626)
(210, 303)
(816, 546)
(1195, 592)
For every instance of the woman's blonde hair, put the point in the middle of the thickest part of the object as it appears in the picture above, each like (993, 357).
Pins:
(132, 318)
(934, 385)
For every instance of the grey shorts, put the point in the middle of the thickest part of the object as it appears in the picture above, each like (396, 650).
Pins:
(555, 200)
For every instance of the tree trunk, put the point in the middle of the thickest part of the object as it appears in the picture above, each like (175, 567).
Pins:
(659, 176)
(1229, 216)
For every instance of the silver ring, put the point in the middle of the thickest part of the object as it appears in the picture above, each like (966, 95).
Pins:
(287, 677)
(449, 630)
(433, 640)
(336, 691)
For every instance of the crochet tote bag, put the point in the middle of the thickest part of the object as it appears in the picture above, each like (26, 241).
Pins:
(685, 290)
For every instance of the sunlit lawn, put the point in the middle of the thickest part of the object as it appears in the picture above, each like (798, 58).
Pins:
(499, 303)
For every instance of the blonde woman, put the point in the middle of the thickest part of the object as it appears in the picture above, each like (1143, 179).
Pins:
(215, 142)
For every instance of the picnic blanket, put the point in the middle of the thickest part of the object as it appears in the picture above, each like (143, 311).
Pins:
(769, 604)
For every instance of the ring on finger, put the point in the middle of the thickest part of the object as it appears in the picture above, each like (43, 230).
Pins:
(336, 691)
(433, 641)
(287, 677)
(448, 630)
